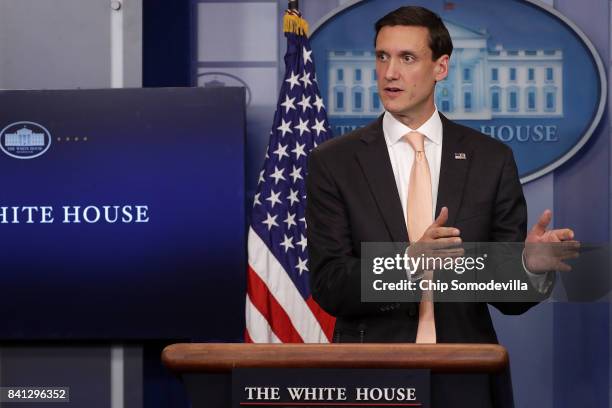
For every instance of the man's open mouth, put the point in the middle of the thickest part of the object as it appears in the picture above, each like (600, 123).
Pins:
(392, 89)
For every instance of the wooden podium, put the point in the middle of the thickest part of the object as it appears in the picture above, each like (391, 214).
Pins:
(206, 368)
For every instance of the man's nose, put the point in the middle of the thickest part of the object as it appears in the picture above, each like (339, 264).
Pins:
(391, 72)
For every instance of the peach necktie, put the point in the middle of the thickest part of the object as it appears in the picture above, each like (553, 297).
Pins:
(420, 216)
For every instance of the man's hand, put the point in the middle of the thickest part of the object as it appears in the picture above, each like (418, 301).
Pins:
(439, 234)
(545, 250)
(438, 240)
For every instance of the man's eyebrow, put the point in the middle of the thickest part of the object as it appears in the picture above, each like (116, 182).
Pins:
(407, 52)
(401, 53)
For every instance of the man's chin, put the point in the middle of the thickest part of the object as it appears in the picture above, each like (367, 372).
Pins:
(395, 110)
(403, 109)
(389, 106)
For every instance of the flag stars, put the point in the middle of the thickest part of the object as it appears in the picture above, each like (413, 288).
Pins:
(306, 79)
(281, 151)
(319, 103)
(296, 173)
(301, 266)
(319, 127)
(287, 243)
(284, 127)
(270, 221)
(292, 197)
(273, 198)
(278, 174)
(288, 104)
(302, 127)
(302, 242)
(299, 123)
(299, 150)
(293, 80)
(306, 55)
(290, 220)
(305, 103)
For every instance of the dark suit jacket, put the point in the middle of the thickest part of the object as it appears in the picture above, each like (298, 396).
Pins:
(353, 198)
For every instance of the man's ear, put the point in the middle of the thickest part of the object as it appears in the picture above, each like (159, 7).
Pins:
(441, 69)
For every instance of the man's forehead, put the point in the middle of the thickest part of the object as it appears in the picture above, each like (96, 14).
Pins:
(402, 38)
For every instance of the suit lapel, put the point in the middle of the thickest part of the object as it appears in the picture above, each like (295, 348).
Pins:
(376, 166)
(456, 156)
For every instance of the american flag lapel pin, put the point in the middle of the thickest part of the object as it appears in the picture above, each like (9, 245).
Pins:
(460, 156)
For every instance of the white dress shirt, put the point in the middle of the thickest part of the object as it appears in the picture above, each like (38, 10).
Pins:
(402, 154)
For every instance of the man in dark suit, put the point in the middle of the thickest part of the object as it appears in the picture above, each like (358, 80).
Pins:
(359, 190)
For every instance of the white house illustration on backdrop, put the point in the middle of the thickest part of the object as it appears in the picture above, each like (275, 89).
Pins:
(24, 137)
(482, 84)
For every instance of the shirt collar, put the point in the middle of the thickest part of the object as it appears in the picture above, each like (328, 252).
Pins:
(394, 130)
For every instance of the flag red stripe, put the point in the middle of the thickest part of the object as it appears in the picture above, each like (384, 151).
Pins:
(247, 337)
(268, 306)
(326, 320)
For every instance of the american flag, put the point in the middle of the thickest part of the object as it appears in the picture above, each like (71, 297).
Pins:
(279, 307)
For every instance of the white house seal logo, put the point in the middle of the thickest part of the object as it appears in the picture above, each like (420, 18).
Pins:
(24, 140)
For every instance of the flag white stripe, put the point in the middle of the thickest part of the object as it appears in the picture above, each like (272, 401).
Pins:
(283, 289)
(257, 325)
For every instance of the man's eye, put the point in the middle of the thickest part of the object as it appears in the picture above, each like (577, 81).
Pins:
(408, 58)
(382, 57)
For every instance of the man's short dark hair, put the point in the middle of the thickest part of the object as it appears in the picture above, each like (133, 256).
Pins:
(439, 38)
